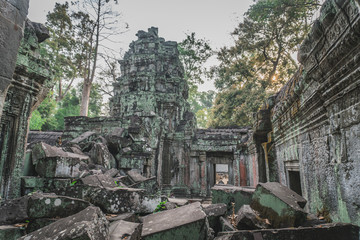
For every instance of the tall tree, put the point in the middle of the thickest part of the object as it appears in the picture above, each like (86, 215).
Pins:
(260, 62)
(57, 50)
(194, 53)
(94, 22)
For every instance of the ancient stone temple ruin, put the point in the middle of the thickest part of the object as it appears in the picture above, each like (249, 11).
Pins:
(295, 171)
(151, 115)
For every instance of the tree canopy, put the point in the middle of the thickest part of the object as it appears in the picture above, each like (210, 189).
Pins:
(260, 61)
(194, 53)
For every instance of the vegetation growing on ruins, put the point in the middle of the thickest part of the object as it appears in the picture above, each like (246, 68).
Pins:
(255, 67)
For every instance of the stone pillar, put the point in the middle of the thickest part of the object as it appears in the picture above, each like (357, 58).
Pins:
(203, 175)
(12, 17)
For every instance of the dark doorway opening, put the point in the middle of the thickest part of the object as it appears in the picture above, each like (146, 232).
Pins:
(294, 182)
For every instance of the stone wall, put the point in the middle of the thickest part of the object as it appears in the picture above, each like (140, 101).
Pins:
(26, 88)
(315, 137)
(12, 21)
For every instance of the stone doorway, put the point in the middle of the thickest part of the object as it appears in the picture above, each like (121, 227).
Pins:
(292, 170)
(219, 168)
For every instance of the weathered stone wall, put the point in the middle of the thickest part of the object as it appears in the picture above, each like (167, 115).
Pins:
(12, 20)
(316, 116)
(26, 87)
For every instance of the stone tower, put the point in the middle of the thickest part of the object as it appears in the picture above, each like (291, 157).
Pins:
(152, 89)
(152, 81)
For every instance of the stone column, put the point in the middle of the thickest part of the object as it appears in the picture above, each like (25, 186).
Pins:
(203, 175)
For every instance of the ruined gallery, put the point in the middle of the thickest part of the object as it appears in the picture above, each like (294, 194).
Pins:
(296, 170)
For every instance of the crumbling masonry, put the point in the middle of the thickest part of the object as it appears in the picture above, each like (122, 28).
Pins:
(157, 128)
(306, 137)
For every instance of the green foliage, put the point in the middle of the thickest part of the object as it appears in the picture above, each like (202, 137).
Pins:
(200, 104)
(160, 207)
(36, 121)
(73, 183)
(260, 62)
(50, 114)
(43, 117)
(193, 54)
(58, 50)
(69, 106)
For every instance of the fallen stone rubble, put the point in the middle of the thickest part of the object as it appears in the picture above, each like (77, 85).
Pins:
(50, 216)
(77, 192)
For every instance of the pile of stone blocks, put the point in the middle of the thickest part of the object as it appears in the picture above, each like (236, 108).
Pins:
(85, 168)
(275, 212)
(50, 216)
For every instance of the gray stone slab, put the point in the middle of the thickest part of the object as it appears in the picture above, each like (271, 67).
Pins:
(10, 232)
(43, 150)
(42, 205)
(332, 231)
(187, 222)
(129, 217)
(100, 154)
(136, 176)
(114, 200)
(247, 219)
(112, 172)
(125, 230)
(179, 201)
(279, 204)
(39, 205)
(100, 180)
(86, 136)
(22, 5)
(14, 211)
(228, 194)
(170, 205)
(51, 161)
(226, 226)
(214, 212)
(90, 223)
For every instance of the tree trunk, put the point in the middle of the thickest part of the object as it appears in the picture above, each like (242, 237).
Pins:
(85, 99)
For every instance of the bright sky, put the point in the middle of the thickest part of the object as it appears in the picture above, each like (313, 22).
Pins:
(210, 19)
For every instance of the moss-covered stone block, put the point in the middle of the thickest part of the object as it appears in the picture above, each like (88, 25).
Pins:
(31, 184)
(90, 223)
(333, 231)
(114, 200)
(9, 232)
(282, 206)
(187, 222)
(230, 194)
